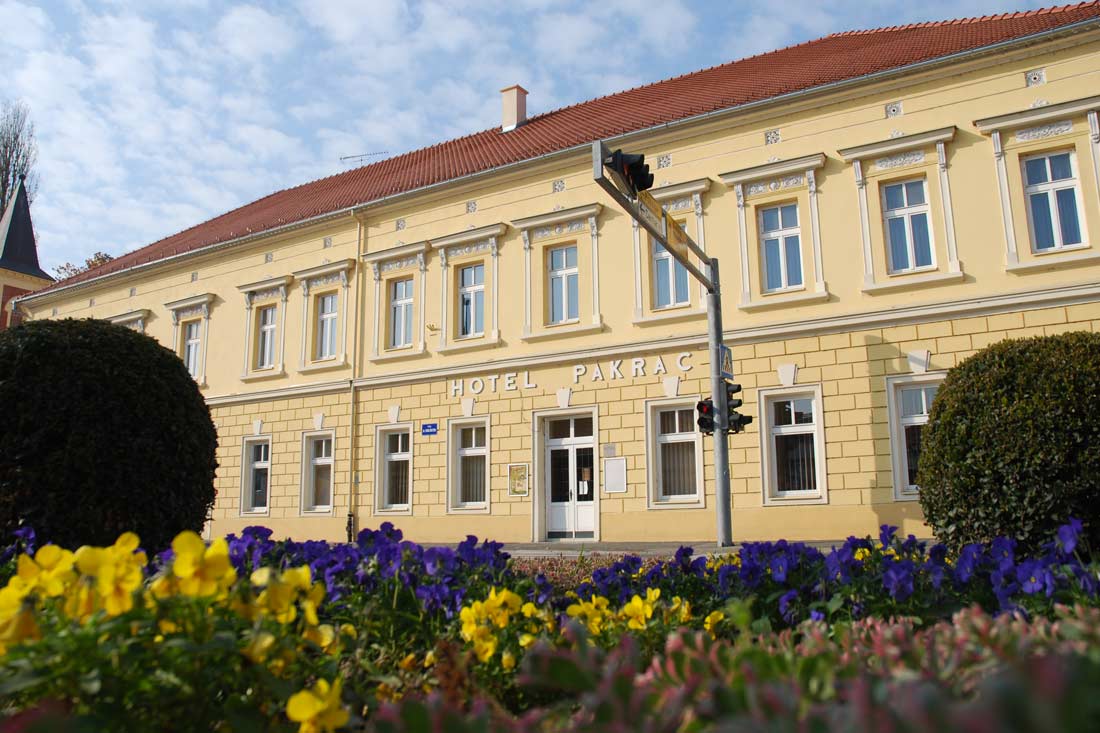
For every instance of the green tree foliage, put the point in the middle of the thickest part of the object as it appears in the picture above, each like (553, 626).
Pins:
(1012, 445)
(103, 431)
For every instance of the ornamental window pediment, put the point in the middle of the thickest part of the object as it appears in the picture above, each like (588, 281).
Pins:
(469, 288)
(400, 291)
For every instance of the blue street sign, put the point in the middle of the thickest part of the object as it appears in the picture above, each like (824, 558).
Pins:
(727, 362)
(429, 428)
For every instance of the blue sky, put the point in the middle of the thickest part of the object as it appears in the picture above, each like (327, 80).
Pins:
(153, 116)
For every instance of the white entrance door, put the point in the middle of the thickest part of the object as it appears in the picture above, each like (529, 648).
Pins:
(570, 478)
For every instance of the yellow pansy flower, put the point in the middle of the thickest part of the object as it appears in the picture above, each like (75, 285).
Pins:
(710, 623)
(508, 660)
(51, 570)
(258, 648)
(318, 709)
(17, 621)
(201, 571)
(117, 572)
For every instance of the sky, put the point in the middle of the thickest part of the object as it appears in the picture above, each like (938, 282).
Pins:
(154, 116)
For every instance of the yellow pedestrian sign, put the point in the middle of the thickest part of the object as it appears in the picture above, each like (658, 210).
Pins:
(727, 362)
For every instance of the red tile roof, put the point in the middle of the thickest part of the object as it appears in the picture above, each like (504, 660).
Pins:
(834, 58)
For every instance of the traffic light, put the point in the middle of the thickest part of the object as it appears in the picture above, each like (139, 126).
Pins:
(735, 420)
(633, 169)
(705, 421)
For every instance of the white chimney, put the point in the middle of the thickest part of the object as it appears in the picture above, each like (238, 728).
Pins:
(513, 107)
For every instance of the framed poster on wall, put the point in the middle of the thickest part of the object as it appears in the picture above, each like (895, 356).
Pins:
(518, 479)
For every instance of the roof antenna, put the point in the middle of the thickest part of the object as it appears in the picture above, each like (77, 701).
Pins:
(353, 159)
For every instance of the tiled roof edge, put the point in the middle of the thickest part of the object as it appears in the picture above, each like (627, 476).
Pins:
(965, 21)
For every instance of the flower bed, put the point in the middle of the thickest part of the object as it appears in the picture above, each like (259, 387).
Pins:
(252, 633)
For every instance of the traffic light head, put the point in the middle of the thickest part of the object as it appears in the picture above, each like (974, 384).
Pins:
(632, 168)
(705, 419)
(735, 421)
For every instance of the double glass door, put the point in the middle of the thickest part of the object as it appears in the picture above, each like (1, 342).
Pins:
(570, 478)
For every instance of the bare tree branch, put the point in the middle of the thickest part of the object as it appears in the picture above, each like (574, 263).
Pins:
(69, 269)
(18, 150)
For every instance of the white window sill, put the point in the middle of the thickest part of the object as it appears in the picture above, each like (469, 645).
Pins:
(260, 376)
(470, 344)
(914, 281)
(796, 499)
(393, 511)
(668, 314)
(256, 513)
(321, 366)
(907, 496)
(318, 512)
(477, 509)
(404, 352)
(689, 503)
(783, 299)
(556, 331)
(1050, 263)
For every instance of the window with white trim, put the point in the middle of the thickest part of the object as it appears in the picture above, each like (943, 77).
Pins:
(327, 319)
(670, 279)
(906, 216)
(401, 313)
(192, 346)
(562, 282)
(677, 454)
(267, 327)
(793, 444)
(256, 476)
(910, 402)
(781, 247)
(1053, 201)
(469, 465)
(471, 301)
(396, 458)
(318, 473)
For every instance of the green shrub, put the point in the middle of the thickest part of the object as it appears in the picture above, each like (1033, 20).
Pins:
(103, 431)
(1012, 445)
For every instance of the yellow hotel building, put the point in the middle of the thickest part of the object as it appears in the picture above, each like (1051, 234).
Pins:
(471, 338)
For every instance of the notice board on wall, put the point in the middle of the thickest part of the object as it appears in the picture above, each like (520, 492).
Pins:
(614, 475)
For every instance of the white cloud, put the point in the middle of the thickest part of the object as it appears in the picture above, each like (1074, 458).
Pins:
(253, 34)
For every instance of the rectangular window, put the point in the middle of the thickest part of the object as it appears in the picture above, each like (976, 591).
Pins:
(1053, 201)
(677, 453)
(265, 341)
(793, 444)
(396, 469)
(781, 247)
(471, 301)
(192, 344)
(401, 313)
(908, 226)
(318, 489)
(256, 476)
(670, 279)
(910, 402)
(326, 326)
(563, 285)
(469, 465)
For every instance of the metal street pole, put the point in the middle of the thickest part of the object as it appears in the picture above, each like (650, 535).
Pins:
(723, 509)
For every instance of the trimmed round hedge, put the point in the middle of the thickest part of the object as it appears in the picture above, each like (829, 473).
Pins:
(1012, 445)
(103, 431)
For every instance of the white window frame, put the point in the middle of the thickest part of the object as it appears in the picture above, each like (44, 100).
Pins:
(266, 335)
(309, 475)
(781, 234)
(765, 398)
(467, 293)
(654, 440)
(192, 346)
(894, 385)
(562, 277)
(401, 312)
(1049, 189)
(327, 326)
(662, 256)
(247, 467)
(907, 213)
(381, 458)
(454, 453)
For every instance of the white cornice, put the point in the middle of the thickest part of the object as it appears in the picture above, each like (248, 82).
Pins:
(139, 315)
(898, 144)
(771, 170)
(281, 393)
(268, 284)
(676, 190)
(1040, 114)
(190, 302)
(322, 270)
(395, 252)
(470, 235)
(557, 217)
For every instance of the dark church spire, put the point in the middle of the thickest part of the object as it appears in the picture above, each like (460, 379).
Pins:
(18, 251)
